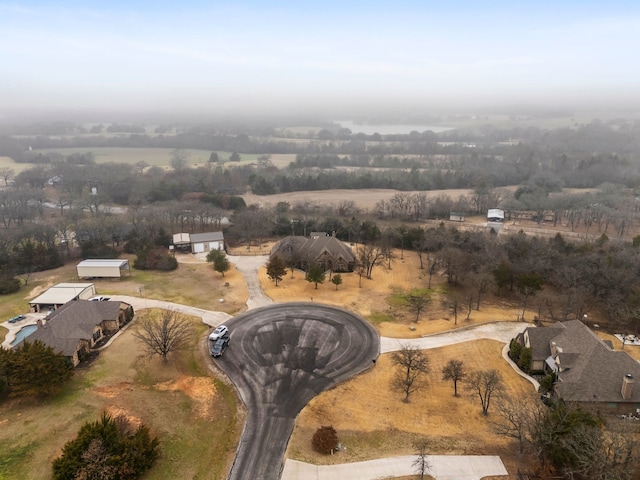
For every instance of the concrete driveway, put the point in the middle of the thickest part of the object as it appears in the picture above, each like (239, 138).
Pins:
(500, 331)
(441, 467)
(209, 317)
(249, 266)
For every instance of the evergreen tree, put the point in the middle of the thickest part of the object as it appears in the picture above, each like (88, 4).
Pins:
(36, 370)
(276, 269)
(220, 261)
(316, 274)
(107, 449)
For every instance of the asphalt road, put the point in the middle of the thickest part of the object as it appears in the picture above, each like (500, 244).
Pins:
(280, 357)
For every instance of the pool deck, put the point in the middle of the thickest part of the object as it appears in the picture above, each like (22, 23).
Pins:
(14, 328)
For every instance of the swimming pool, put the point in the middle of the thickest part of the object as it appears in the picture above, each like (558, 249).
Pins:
(23, 333)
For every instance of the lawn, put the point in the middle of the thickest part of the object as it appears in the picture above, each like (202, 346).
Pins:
(195, 284)
(179, 401)
(372, 421)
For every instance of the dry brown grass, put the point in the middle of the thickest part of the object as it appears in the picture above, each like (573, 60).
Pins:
(372, 300)
(372, 421)
(193, 283)
(364, 199)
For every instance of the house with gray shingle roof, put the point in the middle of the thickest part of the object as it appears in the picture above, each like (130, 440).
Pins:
(587, 369)
(325, 250)
(77, 326)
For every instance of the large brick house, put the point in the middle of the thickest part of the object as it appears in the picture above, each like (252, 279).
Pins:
(77, 326)
(322, 249)
(588, 370)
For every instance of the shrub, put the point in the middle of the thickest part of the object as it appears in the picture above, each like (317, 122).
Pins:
(108, 449)
(325, 440)
(524, 361)
(97, 249)
(514, 350)
(546, 383)
(155, 259)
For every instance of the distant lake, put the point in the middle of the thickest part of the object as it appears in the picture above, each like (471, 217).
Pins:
(389, 129)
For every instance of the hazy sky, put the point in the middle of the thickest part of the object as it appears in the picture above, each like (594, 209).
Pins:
(289, 55)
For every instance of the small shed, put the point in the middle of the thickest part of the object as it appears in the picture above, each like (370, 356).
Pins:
(60, 294)
(206, 242)
(495, 215)
(103, 268)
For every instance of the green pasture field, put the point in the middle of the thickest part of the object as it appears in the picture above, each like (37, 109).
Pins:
(160, 157)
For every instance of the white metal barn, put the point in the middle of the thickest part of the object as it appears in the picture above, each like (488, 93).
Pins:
(495, 215)
(102, 268)
(206, 242)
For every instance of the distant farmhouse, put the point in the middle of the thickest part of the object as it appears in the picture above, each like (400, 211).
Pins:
(320, 248)
(199, 242)
(59, 294)
(78, 326)
(588, 370)
(102, 268)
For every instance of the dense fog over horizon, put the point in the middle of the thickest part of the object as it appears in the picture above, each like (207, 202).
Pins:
(333, 60)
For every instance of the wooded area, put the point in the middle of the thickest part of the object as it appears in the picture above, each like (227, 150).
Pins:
(63, 202)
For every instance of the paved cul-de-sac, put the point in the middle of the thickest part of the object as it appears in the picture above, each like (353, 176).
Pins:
(279, 358)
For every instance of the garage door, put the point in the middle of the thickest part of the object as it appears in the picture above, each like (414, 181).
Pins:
(198, 247)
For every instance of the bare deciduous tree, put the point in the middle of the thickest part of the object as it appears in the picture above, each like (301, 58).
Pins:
(517, 416)
(7, 173)
(166, 334)
(413, 365)
(421, 463)
(487, 384)
(369, 256)
(417, 300)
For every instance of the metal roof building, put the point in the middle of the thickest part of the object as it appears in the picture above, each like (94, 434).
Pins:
(104, 268)
(60, 294)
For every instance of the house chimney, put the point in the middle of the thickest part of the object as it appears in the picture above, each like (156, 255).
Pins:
(39, 323)
(627, 386)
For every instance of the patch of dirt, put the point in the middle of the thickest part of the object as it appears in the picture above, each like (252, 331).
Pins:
(112, 391)
(117, 411)
(35, 291)
(200, 389)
